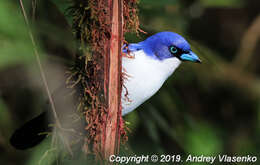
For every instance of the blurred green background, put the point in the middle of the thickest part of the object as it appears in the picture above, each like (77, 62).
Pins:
(210, 109)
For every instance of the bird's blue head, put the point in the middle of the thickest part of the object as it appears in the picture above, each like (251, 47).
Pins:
(166, 45)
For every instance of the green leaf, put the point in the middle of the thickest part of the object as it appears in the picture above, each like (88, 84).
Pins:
(203, 139)
(15, 44)
(43, 154)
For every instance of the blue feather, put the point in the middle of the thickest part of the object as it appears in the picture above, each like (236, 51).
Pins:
(157, 45)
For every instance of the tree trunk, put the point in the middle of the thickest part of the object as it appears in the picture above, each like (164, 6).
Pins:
(111, 134)
(99, 26)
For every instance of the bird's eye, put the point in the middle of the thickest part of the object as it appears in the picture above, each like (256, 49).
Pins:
(173, 50)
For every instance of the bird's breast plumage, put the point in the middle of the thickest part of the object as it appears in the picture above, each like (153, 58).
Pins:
(144, 76)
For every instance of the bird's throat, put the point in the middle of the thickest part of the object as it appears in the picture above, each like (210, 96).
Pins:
(145, 76)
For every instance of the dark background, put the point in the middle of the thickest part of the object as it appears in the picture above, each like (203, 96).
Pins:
(210, 108)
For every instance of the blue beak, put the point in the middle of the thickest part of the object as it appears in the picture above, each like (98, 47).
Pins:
(190, 57)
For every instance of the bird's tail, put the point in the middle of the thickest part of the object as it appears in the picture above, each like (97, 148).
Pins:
(31, 133)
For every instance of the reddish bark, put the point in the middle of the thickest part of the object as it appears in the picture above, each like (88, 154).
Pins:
(99, 26)
(111, 134)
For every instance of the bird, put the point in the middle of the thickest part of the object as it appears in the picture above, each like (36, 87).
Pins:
(146, 65)
(149, 64)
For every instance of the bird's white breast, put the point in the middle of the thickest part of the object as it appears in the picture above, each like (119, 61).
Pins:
(145, 76)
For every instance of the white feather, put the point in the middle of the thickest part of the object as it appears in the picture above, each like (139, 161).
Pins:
(145, 76)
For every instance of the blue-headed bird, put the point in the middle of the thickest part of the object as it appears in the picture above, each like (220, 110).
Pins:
(146, 64)
(149, 63)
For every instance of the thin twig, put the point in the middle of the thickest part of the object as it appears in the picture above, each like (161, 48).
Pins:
(43, 74)
(40, 64)
(34, 5)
